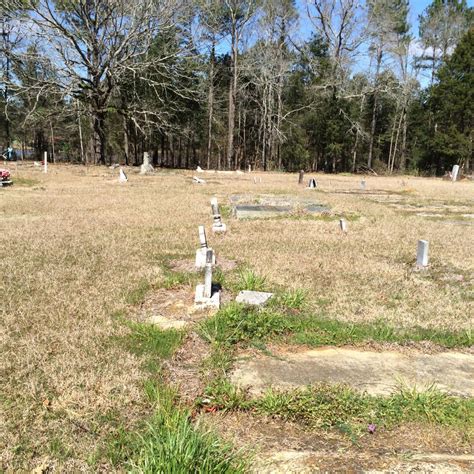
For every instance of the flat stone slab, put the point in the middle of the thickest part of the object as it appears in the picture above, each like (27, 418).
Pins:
(377, 373)
(167, 323)
(257, 298)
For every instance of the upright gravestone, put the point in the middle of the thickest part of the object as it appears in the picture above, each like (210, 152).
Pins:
(45, 161)
(362, 185)
(122, 176)
(146, 167)
(343, 225)
(250, 168)
(312, 184)
(301, 177)
(422, 254)
(205, 296)
(455, 173)
(201, 253)
(217, 225)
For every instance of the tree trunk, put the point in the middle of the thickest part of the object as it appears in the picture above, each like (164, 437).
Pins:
(374, 109)
(210, 104)
(126, 144)
(232, 98)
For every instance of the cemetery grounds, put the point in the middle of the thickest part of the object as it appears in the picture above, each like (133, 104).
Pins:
(107, 367)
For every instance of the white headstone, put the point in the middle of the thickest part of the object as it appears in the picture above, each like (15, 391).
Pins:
(422, 254)
(45, 161)
(122, 176)
(199, 169)
(250, 168)
(455, 172)
(362, 184)
(146, 167)
(205, 297)
(312, 184)
(202, 236)
(343, 225)
(217, 225)
(198, 180)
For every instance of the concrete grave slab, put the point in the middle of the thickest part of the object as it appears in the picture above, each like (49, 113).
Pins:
(377, 373)
(257, 298)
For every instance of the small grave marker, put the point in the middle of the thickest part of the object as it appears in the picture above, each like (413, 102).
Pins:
(301, 177)
(343, 225)
(362, 185)
(146, 167)
(312, 184)
(250, 168)
(122, 176)
(217, 225)
(45, 161)
(422, 257)
(205, 296)
(455, 172)
(199, 169)
(201, 253)
(198, 180)
(256, 298)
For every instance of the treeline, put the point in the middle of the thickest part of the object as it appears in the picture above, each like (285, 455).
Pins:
(231, 83)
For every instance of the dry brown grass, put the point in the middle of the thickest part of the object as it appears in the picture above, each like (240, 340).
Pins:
(76, 242)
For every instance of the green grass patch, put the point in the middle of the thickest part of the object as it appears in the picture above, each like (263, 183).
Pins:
(338, 406)
(171, 443)
(248, 325)
(249, 280)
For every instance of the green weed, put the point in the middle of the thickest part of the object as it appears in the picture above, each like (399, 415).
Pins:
(249, 280)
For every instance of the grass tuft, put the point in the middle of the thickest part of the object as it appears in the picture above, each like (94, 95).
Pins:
(249, 280)
(137, 295)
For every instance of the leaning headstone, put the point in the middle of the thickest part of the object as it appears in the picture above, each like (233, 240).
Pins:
(146, 167)
(206, 295)
(455, 172)
(122, 176)
(217, 225)
(201, 253)
(312, 184)
(45, 161)
(362, 184)
(343, 225)
(199, 169)
(301, 177)
(422, 254)
(198, 180)
(256, 298)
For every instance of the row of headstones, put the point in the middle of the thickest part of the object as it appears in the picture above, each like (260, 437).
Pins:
(206, 295)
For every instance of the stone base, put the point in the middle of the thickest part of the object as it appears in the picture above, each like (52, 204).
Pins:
(219, 229)
(146, 169)
(200, 301)
(256, 298)
(201, 257)
(6, 183)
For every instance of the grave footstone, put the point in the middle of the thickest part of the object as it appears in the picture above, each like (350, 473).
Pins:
(455, 172)
(422, 254)
(256, 298)
(199, 169)
(362, 185)
(122, 176)
(146, 167)
(312, 184)
(343, 225)
(198, 180)
(217, 226)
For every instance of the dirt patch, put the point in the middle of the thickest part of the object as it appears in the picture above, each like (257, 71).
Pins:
(284, 447)
(373, 372)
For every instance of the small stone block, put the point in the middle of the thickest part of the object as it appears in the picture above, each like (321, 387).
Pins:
(257, 298)
(219, 229)
(200, 301)
(201, 257)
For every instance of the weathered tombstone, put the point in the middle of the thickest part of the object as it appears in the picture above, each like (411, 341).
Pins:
(122, 176)
(45, 161)
(455, 172)
(254, 180)
(362, 184)
(146, 167)
(343, 225)
(255, 298)
(250, 168)
(205, 296)
(198, 180)
(312, 184)
(301, 177)
(201, 253)
(199, 169)
(217, 225)
(422, 254)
